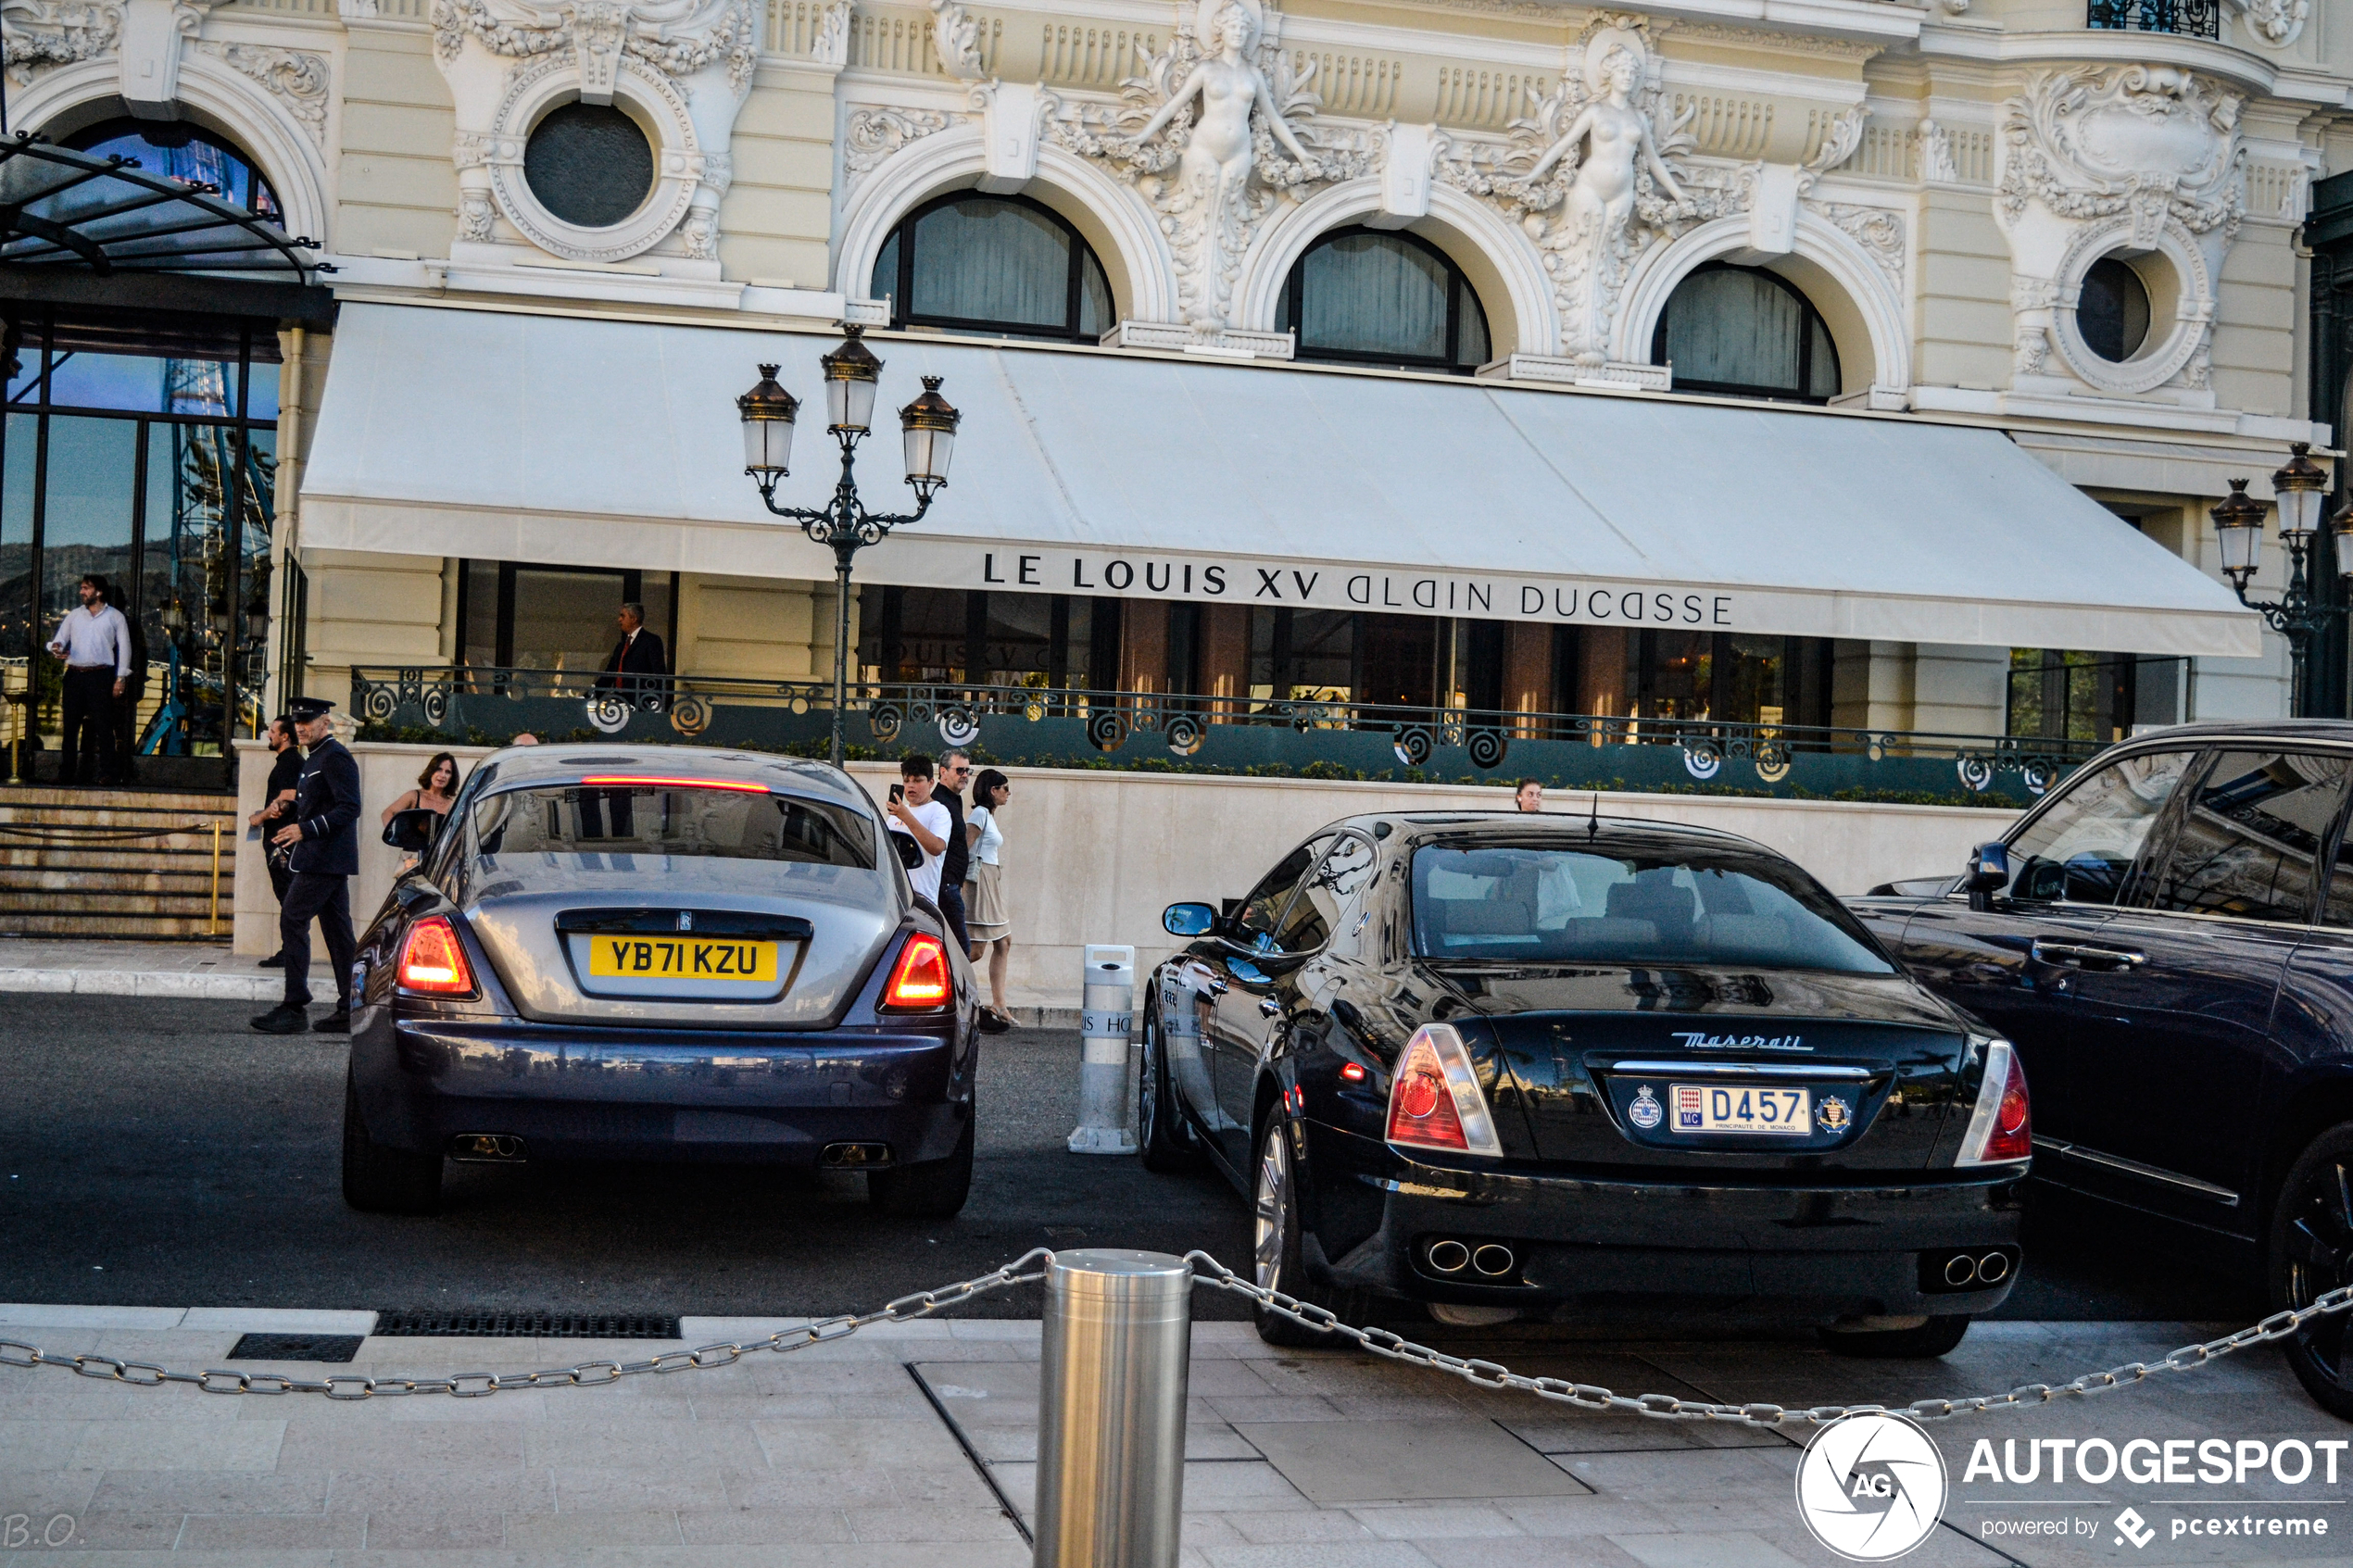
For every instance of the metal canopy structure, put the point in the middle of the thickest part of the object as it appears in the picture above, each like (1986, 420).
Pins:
(80, 211)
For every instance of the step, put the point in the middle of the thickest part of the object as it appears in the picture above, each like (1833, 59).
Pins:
(119, 821)
(33, 796)
(123, 927)
(17, 883)
(113, 855)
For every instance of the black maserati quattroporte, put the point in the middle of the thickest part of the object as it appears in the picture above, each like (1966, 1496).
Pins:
(1514, 1066)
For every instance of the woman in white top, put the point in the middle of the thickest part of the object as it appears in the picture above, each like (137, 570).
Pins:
(985, 914)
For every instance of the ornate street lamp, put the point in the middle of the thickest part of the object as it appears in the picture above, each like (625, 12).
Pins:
(853, 377)
(2302, 489)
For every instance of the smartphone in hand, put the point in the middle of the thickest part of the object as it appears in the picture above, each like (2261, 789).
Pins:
(898, 793)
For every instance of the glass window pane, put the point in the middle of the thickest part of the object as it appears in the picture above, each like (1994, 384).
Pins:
(1733, 327)
(884, 284)
(2248, 841)
(2083, 846)
(182, 152)
(1374, 294)
(983, 260)
(1749, 680)
(481, 630)
(16, 548)
(1020, 638)
(564, 619)
(1095, 307)
(142, 383)
(1824, 381)
(1474, 349)
(86, 517)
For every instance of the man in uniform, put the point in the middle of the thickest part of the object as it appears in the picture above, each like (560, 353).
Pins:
(277, 806)
(326, 856)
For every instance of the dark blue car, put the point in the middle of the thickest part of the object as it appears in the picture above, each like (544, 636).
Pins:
(2168, 939)
(660, 953)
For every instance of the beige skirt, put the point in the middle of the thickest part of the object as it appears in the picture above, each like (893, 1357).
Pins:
(985, 913)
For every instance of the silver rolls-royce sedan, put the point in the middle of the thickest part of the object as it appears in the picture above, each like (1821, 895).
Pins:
(630, 952)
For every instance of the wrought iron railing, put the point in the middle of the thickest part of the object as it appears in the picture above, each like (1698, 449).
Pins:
(1048, 726)
(2190, 19)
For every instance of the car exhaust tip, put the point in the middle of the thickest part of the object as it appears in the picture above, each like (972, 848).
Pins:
(488, 1149)
(1493, 1260)
(1960, 1269)
(1448, 1257)
(855, 1156)
(1993, 1268)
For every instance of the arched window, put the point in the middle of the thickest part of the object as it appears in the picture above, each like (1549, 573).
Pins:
(185, 152)
(1001, 265)
(1743, 331)
(1372, 297)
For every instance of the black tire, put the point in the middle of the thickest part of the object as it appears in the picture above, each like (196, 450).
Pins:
(933, 1190)
(2310, 1254)
(377, 1180)
(1281, 1258)
(1163, 1141)
(1935, 1337)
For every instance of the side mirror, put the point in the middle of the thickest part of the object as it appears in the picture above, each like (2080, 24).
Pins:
(911, 854)
(413, 831)
(1188, 920)
(1988, 874)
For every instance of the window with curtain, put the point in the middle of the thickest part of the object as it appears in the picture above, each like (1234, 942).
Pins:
(1370, 296)
(999, 265)
(1743, 331)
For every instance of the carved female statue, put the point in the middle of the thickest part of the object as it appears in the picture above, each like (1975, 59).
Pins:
(1217, 156)
(1617, 134)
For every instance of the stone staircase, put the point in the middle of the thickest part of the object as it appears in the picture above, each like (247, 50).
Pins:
(115, 863)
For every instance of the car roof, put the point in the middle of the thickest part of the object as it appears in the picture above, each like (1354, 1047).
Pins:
(533, 767)
(2336, 730)
(1574, 828)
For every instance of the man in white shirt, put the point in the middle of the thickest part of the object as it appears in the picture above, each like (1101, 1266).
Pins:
(921, 819)
(94, 642)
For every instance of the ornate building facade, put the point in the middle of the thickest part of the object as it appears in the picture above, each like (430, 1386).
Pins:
(1473, 307)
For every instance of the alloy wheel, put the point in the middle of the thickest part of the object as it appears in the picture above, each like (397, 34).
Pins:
(1273, 1218)
(2317, 1256)
(1147, 1084)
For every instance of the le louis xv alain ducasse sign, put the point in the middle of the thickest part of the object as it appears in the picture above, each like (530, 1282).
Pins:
(1315, 586)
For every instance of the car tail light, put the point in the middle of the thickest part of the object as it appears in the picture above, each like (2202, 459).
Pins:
(1434, 1101)
(2001, 1128)
(432, 960)
(920, 981)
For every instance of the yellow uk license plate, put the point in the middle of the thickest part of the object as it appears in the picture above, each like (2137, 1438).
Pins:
(681, 957)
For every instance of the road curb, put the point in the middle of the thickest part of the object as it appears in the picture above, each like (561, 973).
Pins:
(170, 983)
(185, 986)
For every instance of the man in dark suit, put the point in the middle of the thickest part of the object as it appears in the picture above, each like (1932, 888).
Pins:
(639, 654)
(325, 841)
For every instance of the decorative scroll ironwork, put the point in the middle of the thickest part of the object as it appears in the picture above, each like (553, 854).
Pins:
(1320, 736)
(68, 209)
(2189, 18)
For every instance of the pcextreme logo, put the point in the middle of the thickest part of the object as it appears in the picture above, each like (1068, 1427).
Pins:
(1871, 1487)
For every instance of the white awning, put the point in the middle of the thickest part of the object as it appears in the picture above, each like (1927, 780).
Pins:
(448, 431)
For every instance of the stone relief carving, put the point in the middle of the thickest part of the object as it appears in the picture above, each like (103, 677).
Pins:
(831, 46)
(957, 37)
(1937, 166)
(1207, 135)
(875, 133)
(1590, 178)
(2276, 23)
(57, 32)
(1876, 229)
(686, 65)
(2147, 161)
(296, 79)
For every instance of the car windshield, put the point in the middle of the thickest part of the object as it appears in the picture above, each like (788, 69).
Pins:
(1596, 905)
(675, 820)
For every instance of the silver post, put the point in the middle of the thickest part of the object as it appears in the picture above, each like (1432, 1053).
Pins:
(1107, 1017)
(1111, 1409)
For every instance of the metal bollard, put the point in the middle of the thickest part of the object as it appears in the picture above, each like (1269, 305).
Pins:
(1107, 1016)
(1111, 1409)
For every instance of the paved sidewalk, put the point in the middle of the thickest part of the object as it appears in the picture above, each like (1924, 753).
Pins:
(837, 1455)
(209, 970)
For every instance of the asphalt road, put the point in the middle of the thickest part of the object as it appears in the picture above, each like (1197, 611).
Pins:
(159, 1153)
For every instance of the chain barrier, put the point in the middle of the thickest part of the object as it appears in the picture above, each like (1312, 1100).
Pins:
(71, 835)
(1208, 1273)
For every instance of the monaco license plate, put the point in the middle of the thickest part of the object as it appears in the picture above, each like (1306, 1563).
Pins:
(682, 957)
(1711, 1108)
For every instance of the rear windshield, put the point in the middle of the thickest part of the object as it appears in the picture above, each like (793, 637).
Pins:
(659, 820)
(1592, 905)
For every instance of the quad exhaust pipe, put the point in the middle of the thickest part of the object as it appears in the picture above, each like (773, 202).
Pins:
(1975, 1269)
(1488, 1260)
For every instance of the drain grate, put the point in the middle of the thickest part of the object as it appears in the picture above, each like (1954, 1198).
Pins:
(525, 1326)
(294, 1347)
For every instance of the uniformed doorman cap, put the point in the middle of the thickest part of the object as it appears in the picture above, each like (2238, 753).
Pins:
(303, 709)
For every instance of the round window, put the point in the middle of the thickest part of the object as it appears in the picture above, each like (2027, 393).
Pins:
(2113, 312)
(589, 164)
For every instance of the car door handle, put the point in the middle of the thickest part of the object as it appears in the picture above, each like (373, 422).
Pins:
(2081, 955)
(1268, 1007)
(1213, 987)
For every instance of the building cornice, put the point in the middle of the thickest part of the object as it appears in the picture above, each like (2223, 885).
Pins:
(2247, 72)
